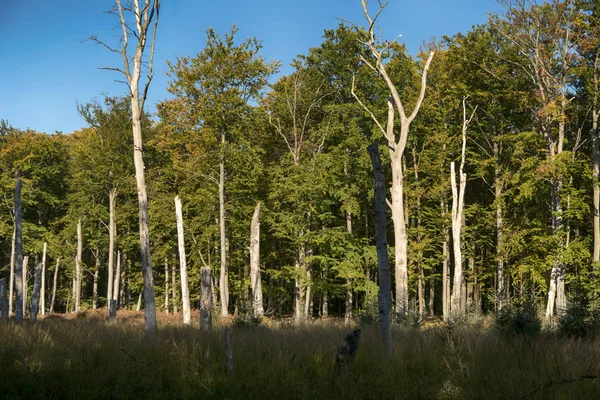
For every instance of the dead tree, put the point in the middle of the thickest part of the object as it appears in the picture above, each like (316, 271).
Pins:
(35, 297)
(396, 147)
(145, 16)
(18, 252)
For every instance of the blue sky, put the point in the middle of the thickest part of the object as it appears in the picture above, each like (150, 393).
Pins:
(46, 66)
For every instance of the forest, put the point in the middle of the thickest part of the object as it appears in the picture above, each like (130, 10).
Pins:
(446, 203)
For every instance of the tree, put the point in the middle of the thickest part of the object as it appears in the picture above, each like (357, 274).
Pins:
(132, 69)
(213, 93)
(396, 147)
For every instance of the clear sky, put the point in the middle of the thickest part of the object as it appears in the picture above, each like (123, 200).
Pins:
(46, 66)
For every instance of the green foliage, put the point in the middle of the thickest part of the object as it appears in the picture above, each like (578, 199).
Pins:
(520, 319)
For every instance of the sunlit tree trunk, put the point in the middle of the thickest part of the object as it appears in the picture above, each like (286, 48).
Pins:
(25, 283)
(11, 282)
(166, 285)
(255, 277)
(185, 293)
(43, 288)
(112, 195)
(78, 261)
(224, 275)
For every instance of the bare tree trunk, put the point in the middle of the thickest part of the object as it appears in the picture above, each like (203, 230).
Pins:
(166, 285)
(25, 283)
(308, 301)
(396, 148)
(445, 259)
(95, 282)
(11, 282)
(19, 286)
(35, 298)
(132, 69)
(54, 286)
(299, 290)
(117, 286)
(501, 295)
(224, 274)
(385, 287)
(458, 203)
(348, 310)
(255, 278)
(43, 289)
(174, 289)
(78, 261)
(3, 300)
(206, 299)
(73, 288)
(185, 293)
(596, 183)
(421, 278)
(138, 307)
(112, 195)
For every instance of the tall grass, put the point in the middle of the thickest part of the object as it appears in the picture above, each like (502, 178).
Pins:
(89, 358)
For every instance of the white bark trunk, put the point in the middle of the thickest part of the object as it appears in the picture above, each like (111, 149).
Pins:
(112, 195)
(54, 286)
(174, 289)
(78, 261)
(117, 280)
(185, 293)
(25, 283)
(255, 277)
(224, 274)
(95, 282)
(138, 307)
(11, 282)
(43, 289)
(596, 184)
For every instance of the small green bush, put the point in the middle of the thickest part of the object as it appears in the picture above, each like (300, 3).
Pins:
(519, 319)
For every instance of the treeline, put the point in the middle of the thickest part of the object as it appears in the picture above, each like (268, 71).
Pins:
(510, 107)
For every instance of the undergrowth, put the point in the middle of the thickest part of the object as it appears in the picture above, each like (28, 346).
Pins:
(88, 358)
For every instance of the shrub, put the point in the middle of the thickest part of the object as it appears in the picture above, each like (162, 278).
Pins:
(519, 319)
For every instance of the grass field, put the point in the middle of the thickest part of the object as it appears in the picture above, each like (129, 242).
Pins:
(86, 357)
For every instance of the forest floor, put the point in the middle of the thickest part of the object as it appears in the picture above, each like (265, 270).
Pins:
(86, 357)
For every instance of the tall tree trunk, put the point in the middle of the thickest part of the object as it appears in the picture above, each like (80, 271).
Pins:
(78, 261)
(54, 286)
(112, 195)
(224, 275)
(445, 262)
(385, 289)
(458, 203)
(400, 236)
(255, 278)
(43, 289)
(185, 292)
(206, 299)
(11, 282)
(174, 289)
(299, 284)
(132, 68)
(596, 183)
(421, 278)
(166, 285)
(117, 286)
(348, 311)
(138, 307)
(18, 252)
(500, 293)
(95, 283)
(35, 297)
(25, 283)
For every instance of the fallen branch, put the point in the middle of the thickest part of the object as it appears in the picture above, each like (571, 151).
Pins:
(556, 383)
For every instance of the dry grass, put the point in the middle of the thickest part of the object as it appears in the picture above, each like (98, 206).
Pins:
(84, 356)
